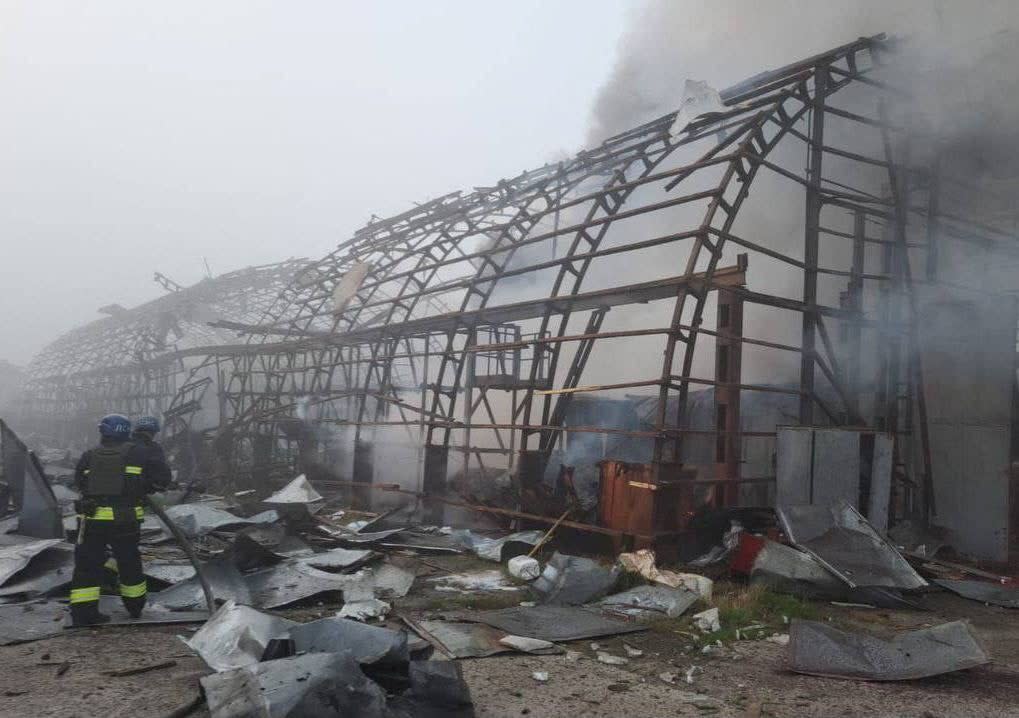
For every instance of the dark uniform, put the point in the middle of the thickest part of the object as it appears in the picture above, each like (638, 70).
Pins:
(158, 469)
(113, 479)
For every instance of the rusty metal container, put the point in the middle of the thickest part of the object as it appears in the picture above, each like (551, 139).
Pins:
(633, 502)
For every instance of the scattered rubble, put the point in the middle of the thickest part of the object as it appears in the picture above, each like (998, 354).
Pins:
(573, 580)
(650, 602)
(643, 562)
(611, 660)
(707, 621)
(983, 591)
(358, 647)
(823, 650)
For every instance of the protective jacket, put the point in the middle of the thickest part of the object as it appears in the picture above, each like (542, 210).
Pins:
(115, 477)
(156, 469)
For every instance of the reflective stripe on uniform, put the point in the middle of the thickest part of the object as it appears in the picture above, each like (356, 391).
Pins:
(85, 595)
(105, 513)
(134, 591)
(136, 470)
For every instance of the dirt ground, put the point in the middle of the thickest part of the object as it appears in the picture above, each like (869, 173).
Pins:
(746, 679)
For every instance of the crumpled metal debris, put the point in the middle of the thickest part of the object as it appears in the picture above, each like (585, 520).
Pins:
(257, 546)
(553, 623)
(317, 684)
(292, 581)
(46, 574)
(504, 548)
(983, 591)
(391, 580)
(461, 639)
(199, 519)
(574, 580)
(169, 572)
(842, 540)
(650, 602)
(364, 609)
(730, 541)
(788, 570)
(224, 579)
(368, 644)
(236, 636)
(365, 538)
(298, 491)
(19, 551)
(437, 690)
(643, 563)
(338, 558)
(823, 650)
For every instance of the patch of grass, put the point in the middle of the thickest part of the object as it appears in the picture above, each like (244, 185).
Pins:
(745, 613)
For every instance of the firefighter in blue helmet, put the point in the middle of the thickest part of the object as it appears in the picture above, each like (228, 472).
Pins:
(144, 435)
(113, 479)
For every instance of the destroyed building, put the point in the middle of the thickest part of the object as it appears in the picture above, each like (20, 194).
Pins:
(650, 316)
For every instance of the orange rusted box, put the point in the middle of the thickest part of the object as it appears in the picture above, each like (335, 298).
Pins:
(633, 502)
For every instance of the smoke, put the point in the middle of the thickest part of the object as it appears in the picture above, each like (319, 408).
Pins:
(674, 40)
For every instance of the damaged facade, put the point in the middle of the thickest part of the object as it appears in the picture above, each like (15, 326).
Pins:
(620, 336)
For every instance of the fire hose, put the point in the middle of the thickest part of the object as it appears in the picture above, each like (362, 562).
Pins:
(188, 548)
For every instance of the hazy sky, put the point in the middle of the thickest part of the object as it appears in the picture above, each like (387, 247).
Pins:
(144, 136)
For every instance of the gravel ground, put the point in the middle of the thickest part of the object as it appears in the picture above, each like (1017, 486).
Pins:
(748, 679)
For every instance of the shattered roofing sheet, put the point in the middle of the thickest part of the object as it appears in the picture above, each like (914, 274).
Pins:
(46, 573)
(474, 640)
(498, 549)
(292, 581)
(298, 491)
(226, 582)
(370, 537)
(842, 540)
(200, 519)
(337, 558)
(317, 684)
(821, 649)
(983, 591)
(236, 636)
(169, 572)
(651, 601)
(553, 623)
(16, 556)
(258, 546)
(368, 644)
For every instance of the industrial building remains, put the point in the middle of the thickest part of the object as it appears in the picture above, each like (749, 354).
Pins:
(709, 392)
(644, 317)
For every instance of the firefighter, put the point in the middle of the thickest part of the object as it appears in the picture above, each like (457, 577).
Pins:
(144, 434)
(113, 479)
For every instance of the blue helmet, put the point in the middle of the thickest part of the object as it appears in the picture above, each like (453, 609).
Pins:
(147, 424)
(115, 426)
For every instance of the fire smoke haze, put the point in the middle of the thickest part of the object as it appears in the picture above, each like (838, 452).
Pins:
(140, 138)
(668, 41)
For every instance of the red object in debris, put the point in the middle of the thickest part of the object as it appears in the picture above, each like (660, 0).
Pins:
(743, 558)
